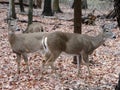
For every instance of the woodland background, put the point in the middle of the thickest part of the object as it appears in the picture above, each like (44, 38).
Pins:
(106, 58)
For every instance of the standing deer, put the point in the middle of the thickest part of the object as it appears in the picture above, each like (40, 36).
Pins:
(24, 43)
(75, 44)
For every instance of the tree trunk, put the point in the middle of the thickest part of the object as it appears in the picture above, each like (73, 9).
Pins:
(77, 16)
(72, 5)
(38, 3)
(111, 14)
(117, 87)
(77, 21)
(47, 11)
(84, 4)
(11, 13)
(21, 6)
(30, 13)
(117, 10)
(56, 8)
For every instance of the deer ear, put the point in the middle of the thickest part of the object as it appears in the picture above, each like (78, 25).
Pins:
(102, 26)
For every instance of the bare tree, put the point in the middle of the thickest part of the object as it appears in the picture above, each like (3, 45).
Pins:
(77, 21)
(117, 10)
(47, 11)
(21, 6)
(30, 14)
(56, 7)
(38, 3)
(83, 4)
(11, 13)
(117, 87)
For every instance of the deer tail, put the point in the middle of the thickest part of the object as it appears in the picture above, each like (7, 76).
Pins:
(45, 45)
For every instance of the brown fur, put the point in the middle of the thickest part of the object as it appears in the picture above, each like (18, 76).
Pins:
(22, 44)
(76, 44)
(34, 27)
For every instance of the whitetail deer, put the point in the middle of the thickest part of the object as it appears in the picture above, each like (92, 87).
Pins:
(22, 44)
(75, 44)
(34, 27)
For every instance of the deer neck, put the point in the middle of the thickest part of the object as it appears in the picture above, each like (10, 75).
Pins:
(98, 40)
(11, 37)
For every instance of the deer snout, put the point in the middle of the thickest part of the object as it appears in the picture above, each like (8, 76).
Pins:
(114, 37)
(18, 29)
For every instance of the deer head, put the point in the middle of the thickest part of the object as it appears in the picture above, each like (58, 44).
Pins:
(107, 31)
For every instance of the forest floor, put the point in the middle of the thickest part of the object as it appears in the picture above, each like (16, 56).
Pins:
(104, 71)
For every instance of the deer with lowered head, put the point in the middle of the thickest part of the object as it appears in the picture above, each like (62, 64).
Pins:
(24, 43)
(75, 44)
(34, 27)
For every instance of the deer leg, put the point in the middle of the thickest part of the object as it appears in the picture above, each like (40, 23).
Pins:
(78, 64)
(51, 60)
(18, 62)
(85, 58)
(26, 60)
(47, 56)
